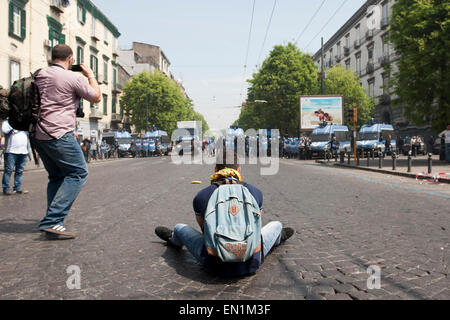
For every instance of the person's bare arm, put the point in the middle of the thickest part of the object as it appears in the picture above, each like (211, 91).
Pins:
(88, 73)
(200, 221)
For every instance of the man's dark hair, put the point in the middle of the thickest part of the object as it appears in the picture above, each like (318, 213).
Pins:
(61, 52)
(221, 160)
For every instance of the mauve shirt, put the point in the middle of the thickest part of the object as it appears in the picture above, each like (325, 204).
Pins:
(60, 91)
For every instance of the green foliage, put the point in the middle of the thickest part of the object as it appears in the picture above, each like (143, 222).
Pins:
(420, 33)
(285, 75)
(161, 97)
(344, 82)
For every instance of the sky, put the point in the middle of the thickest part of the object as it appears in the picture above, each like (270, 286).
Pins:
(215, 45)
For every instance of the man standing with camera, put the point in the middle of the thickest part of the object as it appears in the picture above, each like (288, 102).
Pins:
(61, 90)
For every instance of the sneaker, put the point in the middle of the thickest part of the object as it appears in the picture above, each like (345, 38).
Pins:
(164, 233)
(58, 232)
(7, 192)
(21, 191)
(286, 233)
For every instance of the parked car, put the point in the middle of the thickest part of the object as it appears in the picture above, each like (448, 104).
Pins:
(437, 146)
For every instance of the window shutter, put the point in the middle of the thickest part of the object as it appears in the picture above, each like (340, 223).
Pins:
(83, 18)
(62, 38)
(11, 18)
(23, 23)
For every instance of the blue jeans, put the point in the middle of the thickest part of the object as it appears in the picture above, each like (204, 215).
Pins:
(14, 160)
(67, 173)
(447, 152)
(194, 240)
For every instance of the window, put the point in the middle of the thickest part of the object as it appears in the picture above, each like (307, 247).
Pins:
(347, 64)
(105, 71)
(385, 10)
(105, 104)
(106, 36)
(80, 54)
(14, 71)
(17, 20)
(55, 32)
(358, 65)
(94, 22)
(338, 51)
(114, 78)
(385, 45)
(347, 40)
(358, 33)
(94, 65)
(81, 14)
(371, 83)
(370, 54)
(113, 104)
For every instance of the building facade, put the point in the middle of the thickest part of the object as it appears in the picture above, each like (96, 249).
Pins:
(31, 28)
(362, 44)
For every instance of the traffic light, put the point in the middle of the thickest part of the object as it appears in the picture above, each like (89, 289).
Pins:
(351, 116)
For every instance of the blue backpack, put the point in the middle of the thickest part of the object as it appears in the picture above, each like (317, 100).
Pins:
(232, 226)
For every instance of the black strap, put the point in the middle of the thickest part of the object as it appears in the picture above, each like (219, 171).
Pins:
(57, 65)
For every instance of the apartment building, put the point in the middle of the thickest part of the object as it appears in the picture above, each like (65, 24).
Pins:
(362, 44)
(146, 57)
(31, 28)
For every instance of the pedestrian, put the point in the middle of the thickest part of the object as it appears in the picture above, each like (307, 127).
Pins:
(17, 150)
(334, 146)
(413, 145)
(387, 146)
(446, 135)
(86, 149)
(60, 91)
(400, 145)
(227, 178)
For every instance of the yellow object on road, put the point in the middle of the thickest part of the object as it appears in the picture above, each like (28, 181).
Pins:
(196, 182)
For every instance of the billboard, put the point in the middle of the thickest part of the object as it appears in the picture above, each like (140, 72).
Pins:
(315, 110)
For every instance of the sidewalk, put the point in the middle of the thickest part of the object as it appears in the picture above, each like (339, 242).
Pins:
(419, 168)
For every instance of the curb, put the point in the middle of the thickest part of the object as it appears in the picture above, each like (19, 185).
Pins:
(395, 173)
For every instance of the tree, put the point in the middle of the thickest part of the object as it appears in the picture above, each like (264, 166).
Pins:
(285, 75)
(153, 96)
(346, 82)
(420, 33)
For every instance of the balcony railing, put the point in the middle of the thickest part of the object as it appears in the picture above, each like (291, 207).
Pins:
(370, 68)
(338, 57)
(384, 60)
(58, 5)
(385, 98)
(357, 44)
(369, 34)
(95, 114)
(115, 117)
(346, 51)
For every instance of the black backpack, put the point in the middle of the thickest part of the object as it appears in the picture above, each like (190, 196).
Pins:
(25, 105)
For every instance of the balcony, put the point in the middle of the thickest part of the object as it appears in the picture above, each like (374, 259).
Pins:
(357, 44)
(370, 68)
(346, 51)
(369, 34)
(95, 114)
(384, 60)
(385, 98)
(115, 117)
(338, 57)
(384, 22)
(57, 5)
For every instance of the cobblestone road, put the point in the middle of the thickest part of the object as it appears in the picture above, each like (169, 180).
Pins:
(345, 221)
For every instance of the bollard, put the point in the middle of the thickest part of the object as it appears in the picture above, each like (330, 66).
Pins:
(342, 157)
(430, 163)
(394, 161)
(357, 158)
(380, 159)
(368, 158)
(409, 161)
(348, 158)
(373, 153)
